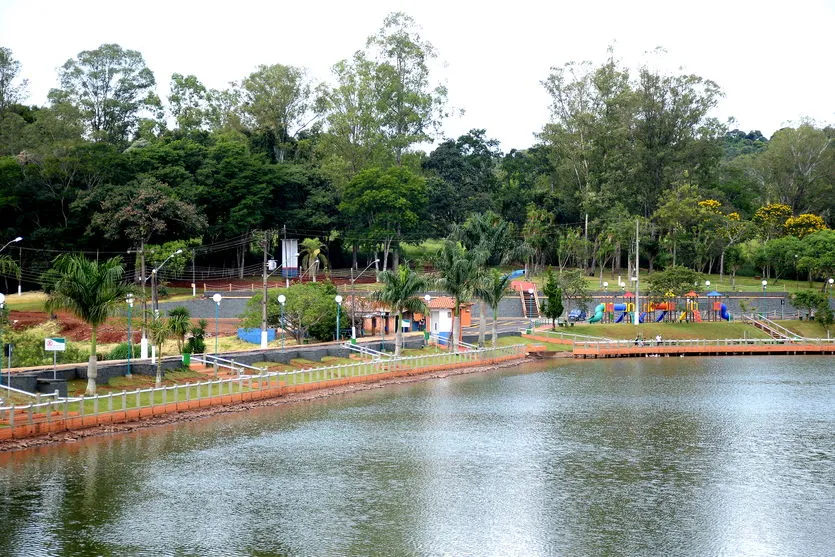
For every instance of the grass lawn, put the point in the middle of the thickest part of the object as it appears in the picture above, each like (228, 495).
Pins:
(668, 331)
(808, 329)
(76, 387)
(28, 301)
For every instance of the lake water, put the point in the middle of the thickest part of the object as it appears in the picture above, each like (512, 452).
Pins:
(663, 456)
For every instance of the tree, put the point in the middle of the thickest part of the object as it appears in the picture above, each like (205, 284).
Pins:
(313, 256)
(310, 310)
(809, 300)
(553, 299)
(572, 283)
(796, 168)
(386, 204)
(676, 279)
(10, 93)
(459, 272)
(91, 291)
(409, 107)
(400, 293)
(490, 290)
(179, 324)
(280, 99)
(818, 254)
(111, 87)
(803, 225)
(188, 102)
(159, 330)
(463, 179)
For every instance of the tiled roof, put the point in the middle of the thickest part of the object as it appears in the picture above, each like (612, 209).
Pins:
(445, 302)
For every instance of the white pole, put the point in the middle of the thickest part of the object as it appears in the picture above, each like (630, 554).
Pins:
(637, 274)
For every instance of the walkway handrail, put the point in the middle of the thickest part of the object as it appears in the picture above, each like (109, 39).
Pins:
(602, 345)
(448, 340)
(366, 350)
(53, 410)
(573, 336)
(770, 326)
(211, 359)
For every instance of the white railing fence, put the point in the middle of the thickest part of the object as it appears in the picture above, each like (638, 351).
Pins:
(56, 409)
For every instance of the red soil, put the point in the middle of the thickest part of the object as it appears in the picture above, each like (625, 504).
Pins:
(114, 330)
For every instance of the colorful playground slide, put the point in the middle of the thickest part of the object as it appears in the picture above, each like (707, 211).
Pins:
(723, 312)
(660, 318)
(598, 313)
(641, 317)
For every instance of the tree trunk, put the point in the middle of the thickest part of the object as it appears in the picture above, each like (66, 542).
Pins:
(482, 323)
(495, 325)
(722, 266)
(92, 365)
(398, 333)
(456, 325)
(158, 381)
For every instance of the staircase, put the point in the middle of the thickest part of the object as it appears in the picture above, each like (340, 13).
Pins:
(772, 329)
(530, 304)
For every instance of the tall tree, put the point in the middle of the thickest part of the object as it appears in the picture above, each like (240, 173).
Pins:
(111, 86)
(281, 99)
(459, 272)
(10, 92)
(91, 291)
(410, 107)
(400, 293)
(188, 102)
(493, 287)
(386, 204)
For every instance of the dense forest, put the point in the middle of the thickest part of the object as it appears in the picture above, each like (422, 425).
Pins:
(106, 166)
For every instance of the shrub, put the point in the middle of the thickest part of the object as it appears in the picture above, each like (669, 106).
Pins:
(120, 352)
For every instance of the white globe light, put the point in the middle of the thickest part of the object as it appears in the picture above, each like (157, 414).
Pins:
(338, 299)
(217, 298)
(427, 298)
(282, 298)
(605, 285)
(765, 282)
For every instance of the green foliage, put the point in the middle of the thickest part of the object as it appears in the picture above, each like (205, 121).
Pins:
(179, 324)
(196, 343)
(676, 280)
(573, 285)
(120, 351)
(400, 293)
(809, 300)
(310, 310)
(29, 346)
(553, 298)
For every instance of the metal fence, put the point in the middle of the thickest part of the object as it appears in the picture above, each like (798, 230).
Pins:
(59, 409)
(602, 345)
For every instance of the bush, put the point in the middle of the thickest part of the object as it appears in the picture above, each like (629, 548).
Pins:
(120, 352)
(197, 343)
(29, 346)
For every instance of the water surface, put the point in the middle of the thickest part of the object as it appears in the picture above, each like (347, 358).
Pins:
(664, 456)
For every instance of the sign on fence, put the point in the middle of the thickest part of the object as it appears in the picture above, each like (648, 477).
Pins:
(55, 344)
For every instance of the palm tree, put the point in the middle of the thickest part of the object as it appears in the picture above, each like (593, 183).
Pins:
(493, 287)
(91, 291)
(400, 293)
(159, 330)
(179, 323)
(458, 273)
(8, 266)
(312, 255)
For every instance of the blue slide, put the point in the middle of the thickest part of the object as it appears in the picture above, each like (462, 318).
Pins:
(641, 317)
(723, 312)
(619, 319)
(661, 317)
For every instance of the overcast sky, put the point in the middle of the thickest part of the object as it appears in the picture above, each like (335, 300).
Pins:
(772, 59)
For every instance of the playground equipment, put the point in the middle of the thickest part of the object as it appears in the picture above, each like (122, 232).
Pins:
(722, 309)
(692, 308)
(598, 313)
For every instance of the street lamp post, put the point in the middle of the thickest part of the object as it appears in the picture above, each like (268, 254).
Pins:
(129, 300)
(19, 238)
(765, 302)
(338, 300)
(530, 312)
(709, 307)
(2, 305)
(217, 298)
(154, 271)
(281, 299)
(353, 315)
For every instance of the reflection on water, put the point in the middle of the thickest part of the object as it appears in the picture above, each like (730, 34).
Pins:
(665, 456)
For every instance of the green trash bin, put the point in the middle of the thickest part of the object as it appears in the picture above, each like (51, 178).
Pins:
(186, 359)
(353, 340)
